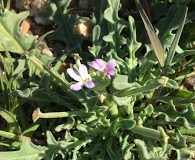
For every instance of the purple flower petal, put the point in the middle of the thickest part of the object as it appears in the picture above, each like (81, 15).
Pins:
(76, 86)
(108, 76)
(111, 64)
(89, 84)
(83, 71)
(98, 64)
(74, 74)
(110, 72)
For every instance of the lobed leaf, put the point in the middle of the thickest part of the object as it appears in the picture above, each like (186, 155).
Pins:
(171, 22)
(115, 26)
(170, 54)
(57, 12)
(132, 46)
(10, 35)
(27, 151)
(94, 50)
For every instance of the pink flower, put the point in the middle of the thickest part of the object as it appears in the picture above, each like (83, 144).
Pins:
(102, 66)
(82, 77)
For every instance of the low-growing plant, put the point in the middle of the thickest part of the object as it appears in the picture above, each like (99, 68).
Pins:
(127, 96)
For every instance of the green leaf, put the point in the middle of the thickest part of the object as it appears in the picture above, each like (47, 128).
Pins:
(139, 90)
(57, 12)
(156, 44)
(94, 50)
(175, 42)
(180, 141)
(10, 35)
(50, 139)
(115, 26)
(120, 82)
(98, 7)
(158, 10)
(31, 129)
(170, 23)
(43, 97)
(7, 134)
(126, 147)
(145, 152)
(147, 132)
(27, 151)
(132, 46)
(171, 116)
(53, 147)
(123, 124)
(112, 154)
(12, 122)
(121, 100)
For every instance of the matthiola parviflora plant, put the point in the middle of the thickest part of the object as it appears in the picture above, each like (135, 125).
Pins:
(128, 95)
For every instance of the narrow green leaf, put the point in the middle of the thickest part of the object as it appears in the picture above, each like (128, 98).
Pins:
(112, 154)
(30, 130)
(13, 123)
(42, 37)
(138, 90)
(143, 152)
(171, 52)
(156, 44)
(7, 134)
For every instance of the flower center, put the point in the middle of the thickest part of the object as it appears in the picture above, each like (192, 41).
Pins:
(87, 78)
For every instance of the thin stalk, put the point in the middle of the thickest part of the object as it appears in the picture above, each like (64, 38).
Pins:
(38, 114)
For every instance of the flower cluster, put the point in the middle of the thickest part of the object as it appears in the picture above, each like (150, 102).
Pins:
(101, 65)
(82, 76)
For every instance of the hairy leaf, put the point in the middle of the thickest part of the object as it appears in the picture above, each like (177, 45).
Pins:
(27, 151)
(10, 35)
(11, 120)
(57, 12)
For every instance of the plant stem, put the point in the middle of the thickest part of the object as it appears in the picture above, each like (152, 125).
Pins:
(38, 114)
